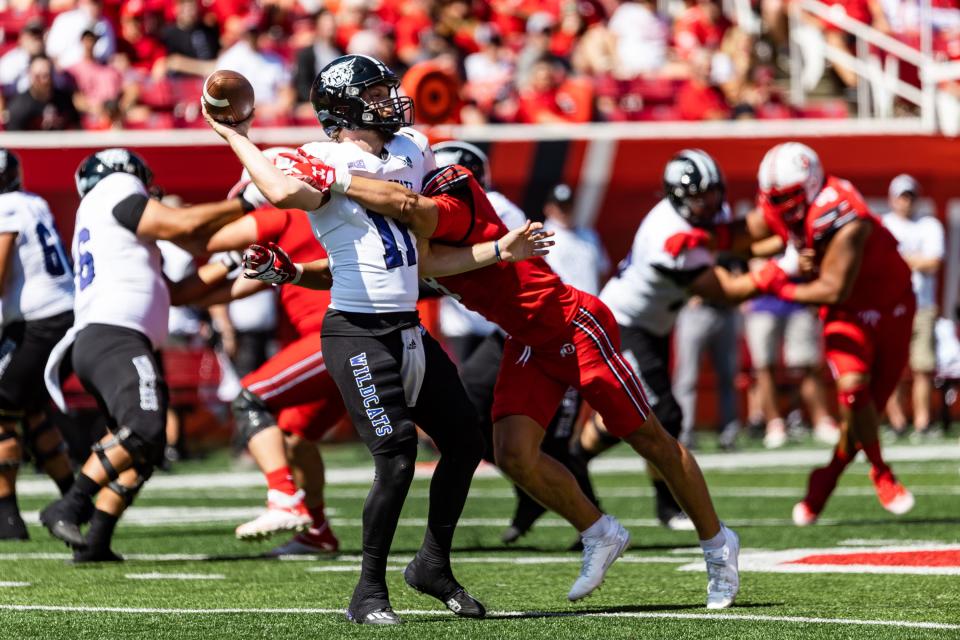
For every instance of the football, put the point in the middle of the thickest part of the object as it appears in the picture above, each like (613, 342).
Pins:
(228, 97)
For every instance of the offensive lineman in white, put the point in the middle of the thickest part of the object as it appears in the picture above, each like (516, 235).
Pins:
(122, 307)
(36, 298)
(390, 372)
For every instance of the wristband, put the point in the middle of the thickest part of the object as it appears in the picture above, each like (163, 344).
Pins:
(299, 269)
(496, 250)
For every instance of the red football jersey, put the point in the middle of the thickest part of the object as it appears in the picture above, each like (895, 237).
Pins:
(291, 229)
(527, 299)
(884, 278)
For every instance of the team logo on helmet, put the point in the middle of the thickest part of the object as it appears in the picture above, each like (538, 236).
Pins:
(114, 157)
(339, 74)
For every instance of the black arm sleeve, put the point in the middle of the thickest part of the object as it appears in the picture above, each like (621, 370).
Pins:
(129, 211)
(680, 277)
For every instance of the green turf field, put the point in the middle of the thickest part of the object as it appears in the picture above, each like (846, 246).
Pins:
(187, 577)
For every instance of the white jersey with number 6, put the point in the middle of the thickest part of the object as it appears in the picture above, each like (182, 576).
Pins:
(39, 283)
(119, 277)
(373, 258)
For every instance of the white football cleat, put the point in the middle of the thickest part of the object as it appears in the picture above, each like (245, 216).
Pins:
(284, 513)
(680, 522)
(803, 516)
(723, 575)
(598, 554)
(776, 434)
(826, 432)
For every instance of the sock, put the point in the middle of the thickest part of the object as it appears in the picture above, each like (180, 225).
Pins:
(319, 517)
(597, 529)
(448, 493)
(527, 512)
(80, 493)
(716, 542)
(8, 506)
(840, 460)
(64, 483)
(872, 451)
(101, 530)
(281, 480)
(664, 498)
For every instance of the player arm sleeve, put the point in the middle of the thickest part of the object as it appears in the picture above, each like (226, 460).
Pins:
(129, 211)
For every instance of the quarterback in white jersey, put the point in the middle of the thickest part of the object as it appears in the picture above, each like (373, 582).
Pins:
(122, 306)
(36, 297)
(391, 373)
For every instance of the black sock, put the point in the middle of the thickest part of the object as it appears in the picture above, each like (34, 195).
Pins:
(8, 505)
(80, 494)
(664, 499)
(527, 512)
(101, 530)
(64, 483)
(381, 512)
(449, 487)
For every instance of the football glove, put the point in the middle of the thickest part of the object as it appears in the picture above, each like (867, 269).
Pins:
(316, 173)
(771, 279)
(270, 264)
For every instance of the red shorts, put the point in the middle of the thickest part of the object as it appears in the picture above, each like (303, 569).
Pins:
(298, 389)
(532, 381)
(870, 342)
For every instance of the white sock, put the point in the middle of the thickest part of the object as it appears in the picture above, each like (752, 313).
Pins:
(597, 529)
(716, 542)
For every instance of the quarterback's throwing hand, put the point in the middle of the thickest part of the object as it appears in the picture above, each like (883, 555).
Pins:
(315, 172)
(528, 241)
(270, 264)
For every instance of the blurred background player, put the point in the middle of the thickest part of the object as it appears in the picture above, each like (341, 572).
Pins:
(785, 336)
(289, 402)
(36, 285)
(121, 313)
(671, 250)
(921, 244)
(844, 250)
(579, 257)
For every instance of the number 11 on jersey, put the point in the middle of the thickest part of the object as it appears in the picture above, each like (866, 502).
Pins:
(391, 252)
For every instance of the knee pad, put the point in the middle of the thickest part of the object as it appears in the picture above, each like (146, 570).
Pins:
(396, 469)
(251, 415)
(9, 464)
(146, 454)
(856, 398)
(42, 456)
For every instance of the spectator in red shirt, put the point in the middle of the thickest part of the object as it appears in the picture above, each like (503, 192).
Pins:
(700, 24)
(136, 43)
(698, 99)
(545, 99)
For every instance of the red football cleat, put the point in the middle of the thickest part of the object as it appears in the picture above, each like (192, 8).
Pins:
(313, 541)
(892, 495)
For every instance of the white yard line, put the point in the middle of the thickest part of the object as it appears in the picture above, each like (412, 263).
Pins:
(174, 576)
(745, 462)
(7, 585)
(716, 617)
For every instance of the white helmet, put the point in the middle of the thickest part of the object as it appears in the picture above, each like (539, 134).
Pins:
(790, 178)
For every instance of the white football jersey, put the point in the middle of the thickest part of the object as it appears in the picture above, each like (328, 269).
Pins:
(39, 283)
(642, 294)
(119, 277)
(456, 319)
(373, 258)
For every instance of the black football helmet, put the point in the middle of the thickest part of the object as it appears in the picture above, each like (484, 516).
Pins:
(99, 165)
(694, 186)
(10, 176)
(465, 155)
(336, 90)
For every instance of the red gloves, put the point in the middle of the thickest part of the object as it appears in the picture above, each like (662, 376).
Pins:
(771, 279)
(270, 264)
(680, 242)
(314, 172)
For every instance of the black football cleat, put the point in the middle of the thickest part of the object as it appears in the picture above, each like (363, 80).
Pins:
(62, 525)
(89, 556)
(12, 527)
(440, 584)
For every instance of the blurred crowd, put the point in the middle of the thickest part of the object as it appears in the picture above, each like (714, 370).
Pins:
(100, 64)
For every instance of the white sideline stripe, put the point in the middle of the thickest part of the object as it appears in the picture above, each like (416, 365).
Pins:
(903, 624)
(743, 462)
(175, 576)
(5, 585)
